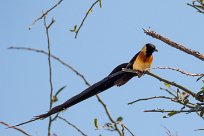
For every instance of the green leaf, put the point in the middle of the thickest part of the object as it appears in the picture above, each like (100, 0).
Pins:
(172, 113)
(74, 29)
(202, 88)
(119, 119)
(60, 90)
(201, 113)
(96, 122)
(186, 101)
(54, 98)
(100, 3)
(167, 85)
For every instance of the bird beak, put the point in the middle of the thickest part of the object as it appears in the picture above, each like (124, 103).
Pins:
(155, 50)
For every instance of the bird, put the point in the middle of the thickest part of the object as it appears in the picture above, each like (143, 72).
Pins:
(140, 62)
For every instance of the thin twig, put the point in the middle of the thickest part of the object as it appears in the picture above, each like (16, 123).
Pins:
(128, 130)
(179, 70)
(176, 111)
(199, 8)
(72, 125)
(176, 100)
(55, 117)
(123, 130)
(164, 80)
(50, 69)
(168, 132)
(45, 13)
(174, 44)
(54, 57)
(108, 114)
(149, 98)
(169, 92)
(18, 129)
(172, 83)
(87, 13)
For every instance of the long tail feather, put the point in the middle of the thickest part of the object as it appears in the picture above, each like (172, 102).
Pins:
(115, 77)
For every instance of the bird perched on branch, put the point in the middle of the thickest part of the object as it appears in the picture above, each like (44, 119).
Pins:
(140, 62)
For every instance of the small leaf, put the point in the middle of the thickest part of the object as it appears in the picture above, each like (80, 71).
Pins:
(119, 119)
(201, 113)
(96, 122)
(167, 85)
(100, 3)
(54, 98)
(202, 88)
(199, 78)
(74, 29)
(172, 113)
(164, 117)
(186, 101)
(60, 90)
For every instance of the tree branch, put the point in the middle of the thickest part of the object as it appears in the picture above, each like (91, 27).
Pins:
(18, 129)
(174, 44)
(149, 98)
(176, 111)
(172, 83)
(54, 57)
(45, 13)
(179, 70)
(87, 13)
(72, 125)
(163, 80)
(199, 8)
(47, 27)
(108, 114)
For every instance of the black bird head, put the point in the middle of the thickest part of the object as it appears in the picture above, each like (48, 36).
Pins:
(150, 48)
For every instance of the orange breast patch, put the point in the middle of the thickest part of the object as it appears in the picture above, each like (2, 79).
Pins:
(142, 62)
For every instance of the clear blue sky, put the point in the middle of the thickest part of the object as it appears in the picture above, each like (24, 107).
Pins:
(110, 36)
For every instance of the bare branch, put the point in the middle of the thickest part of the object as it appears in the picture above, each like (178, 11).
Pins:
(72, 125)
(123, 130)
(169, 92)
(179, 70)
(50, 69)
(54, 57)
(128, 130)
(108, 114)
(199, 8)
(87, 13)
(174, 44)
(163, 80)
(176, 111)
(18, 129)
(149, 98)
(176, 100)
(45, 13)
(172, 83)
(168, 132)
